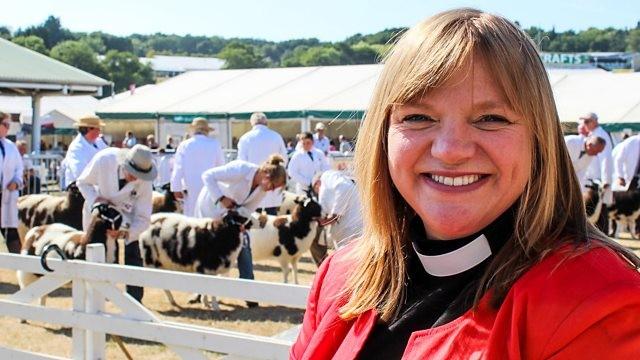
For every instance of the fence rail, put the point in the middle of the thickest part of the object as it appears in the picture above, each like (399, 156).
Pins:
(95, 283)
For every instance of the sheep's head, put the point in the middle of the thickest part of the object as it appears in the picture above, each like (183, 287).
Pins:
(239, 217)
(74, 192)
(308, 209)
(107, 214)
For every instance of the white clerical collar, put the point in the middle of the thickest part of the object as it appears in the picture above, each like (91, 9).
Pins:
(456, 261)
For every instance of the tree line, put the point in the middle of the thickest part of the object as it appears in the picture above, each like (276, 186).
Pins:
(117, 57)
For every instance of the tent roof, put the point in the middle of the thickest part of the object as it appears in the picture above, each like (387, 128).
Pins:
(344, 92)
(21, 68)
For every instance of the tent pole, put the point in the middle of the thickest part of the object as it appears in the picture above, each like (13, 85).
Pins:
(35, 122)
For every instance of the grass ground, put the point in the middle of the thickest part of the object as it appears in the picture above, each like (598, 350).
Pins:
(234, 315)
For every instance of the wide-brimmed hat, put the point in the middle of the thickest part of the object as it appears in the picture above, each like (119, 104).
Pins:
(139, 163)
(320, 126)
(89, 121)
(200, 124)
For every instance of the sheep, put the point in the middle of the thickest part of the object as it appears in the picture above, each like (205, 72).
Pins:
(289, 202)
(71, 241)
(287, 237)
(180, 243)
(625, 211)
(592, 198)
(41, 209)
(165, 201)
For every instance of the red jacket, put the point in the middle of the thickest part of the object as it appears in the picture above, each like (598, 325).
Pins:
(565, 307)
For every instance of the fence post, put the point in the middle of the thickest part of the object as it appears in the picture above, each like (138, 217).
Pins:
(79, 336)
(95, 303)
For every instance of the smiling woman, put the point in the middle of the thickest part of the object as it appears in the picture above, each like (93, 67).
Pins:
(475, 242)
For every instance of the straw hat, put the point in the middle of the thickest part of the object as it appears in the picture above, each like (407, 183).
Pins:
(89, 121)
(320, 126)
(200, 124)
(139, 163)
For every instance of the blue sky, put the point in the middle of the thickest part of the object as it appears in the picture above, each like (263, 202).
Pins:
(327, 20)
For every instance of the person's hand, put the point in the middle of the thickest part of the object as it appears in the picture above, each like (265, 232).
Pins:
(178, 195)
(113, 233)
(227, 203)
(621, 181)
(329, 220)
(12, 186)
(101, 200)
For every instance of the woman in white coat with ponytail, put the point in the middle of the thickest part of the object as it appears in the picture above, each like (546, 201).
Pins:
(11, 178)
(239, 184)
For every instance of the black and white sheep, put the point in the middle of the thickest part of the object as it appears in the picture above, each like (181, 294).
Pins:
(164, 201)
(71, 241)
(285, 238)
(41, 209)
(592, 198)
(625, 211)
(180, 243)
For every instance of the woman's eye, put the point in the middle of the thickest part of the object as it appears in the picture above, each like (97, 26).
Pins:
(417, 118)
(492, 122)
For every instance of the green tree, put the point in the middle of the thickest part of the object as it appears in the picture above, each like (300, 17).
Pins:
(238, 55)
(633, 40)
(80, 55)
(124, 69)
(51, 31)
(31, 42)
(5, 33)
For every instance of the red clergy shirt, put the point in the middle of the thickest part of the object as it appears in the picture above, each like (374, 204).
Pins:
(567, 306)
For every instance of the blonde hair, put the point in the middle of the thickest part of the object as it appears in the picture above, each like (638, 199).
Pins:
(550, 211)
(274, 168)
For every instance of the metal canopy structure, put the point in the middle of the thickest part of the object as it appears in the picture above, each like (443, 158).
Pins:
(24, 72)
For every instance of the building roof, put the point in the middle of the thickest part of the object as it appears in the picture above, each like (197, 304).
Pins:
(344, 92)
(182, 64)
(21, 68)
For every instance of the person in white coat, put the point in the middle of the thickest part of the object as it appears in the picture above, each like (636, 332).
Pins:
(122, 178)
(240, 184)
(338, 196)
(193, 157)
(583, 152)
(605, 158)
(83, 147)
(626, 160)
(255, 147)
(321, 141)
(306, 163)
(11, 180)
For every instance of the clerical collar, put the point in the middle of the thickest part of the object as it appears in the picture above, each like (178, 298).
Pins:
(456, 261)
(443, 258)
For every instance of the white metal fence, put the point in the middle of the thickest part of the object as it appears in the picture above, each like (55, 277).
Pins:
(94, 282)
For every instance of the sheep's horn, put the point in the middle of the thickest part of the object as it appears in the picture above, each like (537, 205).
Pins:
(46, 251)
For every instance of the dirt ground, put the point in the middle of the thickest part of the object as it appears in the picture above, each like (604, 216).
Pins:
(234, 315)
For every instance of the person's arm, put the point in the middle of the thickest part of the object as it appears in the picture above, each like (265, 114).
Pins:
(219, 155)
(283, 150)
(619, 160)
(178, 173)
(89, 179)
(18, 171)
(295, 170)
(142, 211)
(325, 163)
(76, 160)
(606, 161)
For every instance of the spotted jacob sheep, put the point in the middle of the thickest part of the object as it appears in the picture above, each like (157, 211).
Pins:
(180, 243)
(73, 242)
(41, 209)
(165, 201)
(286, 238)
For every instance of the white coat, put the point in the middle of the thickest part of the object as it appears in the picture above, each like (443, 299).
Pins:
(255, 147)
(78, 156)
(579, 158)
(625, 159)
(101, 179)
(605, 160)
(12, 169)
(322, 144)
(164, 163)
(339, 196)
(302, 169)
(193, 157)
(233, 181)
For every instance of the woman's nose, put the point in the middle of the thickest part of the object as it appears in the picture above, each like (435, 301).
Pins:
(453, 144)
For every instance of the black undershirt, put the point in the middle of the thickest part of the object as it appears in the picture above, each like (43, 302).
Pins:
(433, 301)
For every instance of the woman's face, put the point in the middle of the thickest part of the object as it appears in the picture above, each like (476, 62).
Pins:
(266, 184)
(459, 156)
